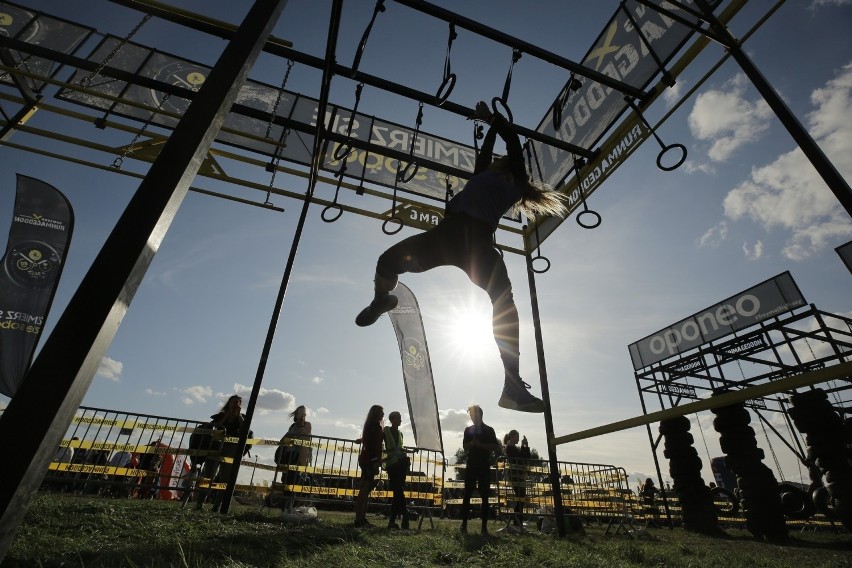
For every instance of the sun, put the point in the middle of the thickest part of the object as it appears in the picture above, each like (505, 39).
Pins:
(470, 332)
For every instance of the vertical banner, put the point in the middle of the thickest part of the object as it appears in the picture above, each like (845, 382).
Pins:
(416, 370)
(35, 255)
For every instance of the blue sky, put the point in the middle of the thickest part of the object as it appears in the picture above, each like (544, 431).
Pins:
(745, 206)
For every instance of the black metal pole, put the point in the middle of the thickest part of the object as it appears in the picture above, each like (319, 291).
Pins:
(41, 411)
(316, 160)
(806, 143)
(558, 508)
(653, 445)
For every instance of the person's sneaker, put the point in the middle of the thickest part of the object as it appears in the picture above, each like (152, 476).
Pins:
(516, 396)
(380, 305)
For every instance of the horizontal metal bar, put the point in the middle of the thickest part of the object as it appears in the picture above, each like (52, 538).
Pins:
(283, 49)
(525, 47)
(835, 372)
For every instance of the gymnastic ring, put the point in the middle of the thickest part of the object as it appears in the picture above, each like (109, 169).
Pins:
(401, 174)
(449, 84)
(540, 270)
(592, 225)
(663, 152)
(340, 156)
(333, 206)
(387, 231)
(494, 102)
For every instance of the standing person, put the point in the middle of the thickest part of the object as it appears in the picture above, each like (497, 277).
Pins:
(396, 466)
(370, 461)
(479, 442)
(294, 454)
(648, 494)
(231, 419)
(464, 238)
(516, 471)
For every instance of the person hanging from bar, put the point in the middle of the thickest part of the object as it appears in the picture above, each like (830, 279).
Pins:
(464, 238)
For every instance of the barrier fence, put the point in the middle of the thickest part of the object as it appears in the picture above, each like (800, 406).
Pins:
(117, 454)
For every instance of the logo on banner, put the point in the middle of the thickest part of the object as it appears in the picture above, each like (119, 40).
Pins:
(413, 354)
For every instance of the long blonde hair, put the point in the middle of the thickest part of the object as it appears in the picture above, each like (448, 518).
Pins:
(538, 200)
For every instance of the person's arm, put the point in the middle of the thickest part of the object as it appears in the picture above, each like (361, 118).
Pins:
(499, 125)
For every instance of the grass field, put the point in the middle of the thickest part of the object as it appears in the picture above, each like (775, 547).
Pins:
(96, 532)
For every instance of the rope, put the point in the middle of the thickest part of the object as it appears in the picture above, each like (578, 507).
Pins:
(504, 98)
(380, 7)
(449, 81)
(402, 175)
(771, 449)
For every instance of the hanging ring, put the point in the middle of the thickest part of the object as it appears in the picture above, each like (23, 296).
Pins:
(333, 207)
(403, 176)
(677, 164)
(448, 84)
(342, 152)
(385, 225)
(544, 265)
(494, 108)
(591, 224)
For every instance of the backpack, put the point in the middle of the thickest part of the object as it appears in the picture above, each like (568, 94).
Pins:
(202, 439)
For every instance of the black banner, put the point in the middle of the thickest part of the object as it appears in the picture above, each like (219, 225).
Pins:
(35, 255)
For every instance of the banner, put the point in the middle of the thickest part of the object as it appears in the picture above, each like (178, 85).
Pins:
(768, 299)
(260, 136)
(633, 48)
(35, 255)
(416, 371)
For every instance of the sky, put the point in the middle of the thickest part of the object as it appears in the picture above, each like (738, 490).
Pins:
(745, 206)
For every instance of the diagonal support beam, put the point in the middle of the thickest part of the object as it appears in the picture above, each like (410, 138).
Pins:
(41, 411)
(833, 373)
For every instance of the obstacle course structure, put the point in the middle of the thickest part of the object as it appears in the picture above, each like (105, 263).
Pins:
(216, 113)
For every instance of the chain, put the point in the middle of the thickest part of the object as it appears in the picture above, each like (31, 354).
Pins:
(16, 67)
(278, 97)
(86, 81)
(129, 148)
(272, 166)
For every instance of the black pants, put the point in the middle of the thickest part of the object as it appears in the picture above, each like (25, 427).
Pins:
(476, 478)
(396, 480)
(467, 243)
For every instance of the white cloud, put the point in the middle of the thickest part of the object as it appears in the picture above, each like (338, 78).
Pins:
(268, 400)
(196, 393)
(753, 252)
(321, 410)
(152, 392)
(672, 94)
(110, 369)
(453, 420)
(788, 193)
(823, 3)
(714, 235)
(728, 120)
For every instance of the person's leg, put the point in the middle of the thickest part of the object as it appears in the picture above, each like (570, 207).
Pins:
(397, 499)
(417, 253)
(469, 484)
(484, 492)
(208, 474)
(486, 269)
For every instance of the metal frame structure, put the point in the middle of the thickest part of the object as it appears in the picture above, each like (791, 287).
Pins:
(70, 355)
(788, 345)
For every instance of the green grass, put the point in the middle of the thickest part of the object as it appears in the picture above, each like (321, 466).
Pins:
(97, 532)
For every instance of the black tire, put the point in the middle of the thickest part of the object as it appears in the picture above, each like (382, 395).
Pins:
(822, 502)
(721, 494)
(795, 503)
(683, 452)
(675, 425)
(679, 440)
(808, 397)
(734, 446)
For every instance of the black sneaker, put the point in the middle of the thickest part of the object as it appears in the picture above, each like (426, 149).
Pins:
(380, 305)
(516, 396)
